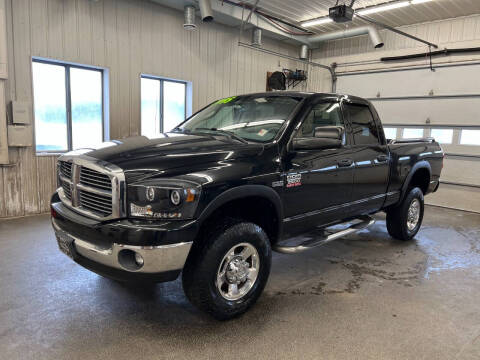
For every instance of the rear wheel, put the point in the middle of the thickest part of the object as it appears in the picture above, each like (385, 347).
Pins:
(404, 221)
(227, 271)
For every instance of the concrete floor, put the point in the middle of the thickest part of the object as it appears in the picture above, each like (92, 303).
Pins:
(365, 297)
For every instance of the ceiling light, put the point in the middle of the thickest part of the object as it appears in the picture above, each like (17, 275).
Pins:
(383, 8)
(324, 20)
(419, 1)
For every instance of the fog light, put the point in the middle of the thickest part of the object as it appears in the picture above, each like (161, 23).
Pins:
(138, 259)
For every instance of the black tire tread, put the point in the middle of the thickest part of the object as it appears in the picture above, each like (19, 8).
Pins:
(397, 216)
(196, 285)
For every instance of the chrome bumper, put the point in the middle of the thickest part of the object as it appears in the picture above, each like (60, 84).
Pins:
(156, 259)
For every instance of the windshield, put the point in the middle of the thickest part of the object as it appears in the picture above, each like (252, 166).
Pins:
(246, 117)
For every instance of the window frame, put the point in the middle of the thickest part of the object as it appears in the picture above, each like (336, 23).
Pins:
(161, 80)
(68, 101)
(381, 140)
(343, 118)
(461, 137)
(423, 128)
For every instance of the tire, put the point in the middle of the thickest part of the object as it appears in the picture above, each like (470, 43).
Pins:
(210, 256)
(398, 224)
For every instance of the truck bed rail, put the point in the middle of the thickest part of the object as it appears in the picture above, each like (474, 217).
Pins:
(405, 141)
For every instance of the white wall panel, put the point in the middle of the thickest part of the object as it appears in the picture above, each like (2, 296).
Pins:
(463, 111)
(446, 80)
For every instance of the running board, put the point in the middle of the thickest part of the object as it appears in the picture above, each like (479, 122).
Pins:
(366, 221)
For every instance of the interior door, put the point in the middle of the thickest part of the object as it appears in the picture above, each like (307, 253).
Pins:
(370, 180)
(317, 182)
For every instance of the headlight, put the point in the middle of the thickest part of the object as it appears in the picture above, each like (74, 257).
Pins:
(163, 199)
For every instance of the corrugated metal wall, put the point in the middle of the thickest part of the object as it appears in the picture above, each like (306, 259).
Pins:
(129, 37)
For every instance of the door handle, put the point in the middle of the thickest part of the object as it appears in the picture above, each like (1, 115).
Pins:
(345, 162)
(382, 158)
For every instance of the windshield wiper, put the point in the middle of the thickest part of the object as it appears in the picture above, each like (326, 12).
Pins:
(230, 134)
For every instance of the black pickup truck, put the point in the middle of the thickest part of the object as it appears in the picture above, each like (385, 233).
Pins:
(237, 179)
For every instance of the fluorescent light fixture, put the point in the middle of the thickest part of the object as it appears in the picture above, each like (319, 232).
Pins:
(377, 9)
(419, 1)
(320, 21)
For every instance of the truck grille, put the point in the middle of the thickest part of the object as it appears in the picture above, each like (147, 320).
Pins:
(65, 169)
(95, 179)
(91, 189)
(97, 203)
(67, 190)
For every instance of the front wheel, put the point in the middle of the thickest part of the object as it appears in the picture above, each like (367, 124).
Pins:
(227, 271)
(404, 221)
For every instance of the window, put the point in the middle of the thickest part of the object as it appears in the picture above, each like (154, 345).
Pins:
(68, 106)
(412, 133)
(255, 118)
(470, 137)
(324, 114)
(163, 104)
(364, 128)
(390, 133)
(443, 136)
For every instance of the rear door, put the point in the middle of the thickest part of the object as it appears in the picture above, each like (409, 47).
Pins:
(318, 183)
(370, 154)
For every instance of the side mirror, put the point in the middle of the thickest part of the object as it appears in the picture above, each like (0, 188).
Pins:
(326, 137)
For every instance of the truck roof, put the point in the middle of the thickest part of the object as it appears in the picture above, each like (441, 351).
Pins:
(304, 94)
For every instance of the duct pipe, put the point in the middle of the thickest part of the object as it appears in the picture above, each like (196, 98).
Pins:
(206, 10)
(257, 37)
(362, 30)
(303, 52)
(189, 22)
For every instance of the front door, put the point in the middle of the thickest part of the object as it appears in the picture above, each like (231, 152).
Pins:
(317, 182)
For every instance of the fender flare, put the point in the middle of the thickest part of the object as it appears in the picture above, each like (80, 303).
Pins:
(418, 166)
(243, 191)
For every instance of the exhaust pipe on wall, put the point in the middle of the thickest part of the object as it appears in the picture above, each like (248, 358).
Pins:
(189, 14)
(303, 52)
(206, 10)
(257, 37)
(375, 37)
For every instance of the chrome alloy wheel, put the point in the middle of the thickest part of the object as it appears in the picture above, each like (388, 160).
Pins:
(413, 214)
(238, 271)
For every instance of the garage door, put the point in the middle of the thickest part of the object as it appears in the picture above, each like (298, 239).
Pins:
(445, 104)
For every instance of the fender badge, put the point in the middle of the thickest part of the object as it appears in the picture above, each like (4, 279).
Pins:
(294, 180)
(277, 183)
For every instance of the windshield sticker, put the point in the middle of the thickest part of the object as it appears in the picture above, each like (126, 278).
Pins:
(262, 132)
(226, 100)
(294, 180)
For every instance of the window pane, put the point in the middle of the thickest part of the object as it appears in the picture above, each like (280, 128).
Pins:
(86, 96)
(443, 136)
(364, 127)
(390, 133)
(412, 133)
(470, 137)
(50, 107)
(325, 114)
(150, 107)
(173, 104)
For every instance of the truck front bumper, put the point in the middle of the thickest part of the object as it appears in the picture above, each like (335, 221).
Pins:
(124, 262)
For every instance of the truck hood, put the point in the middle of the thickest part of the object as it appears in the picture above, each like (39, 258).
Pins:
(140, 154)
